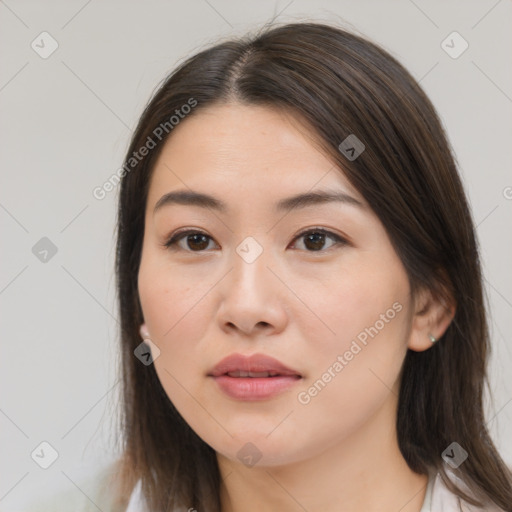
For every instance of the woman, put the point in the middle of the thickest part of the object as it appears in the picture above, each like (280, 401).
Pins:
(300, 290)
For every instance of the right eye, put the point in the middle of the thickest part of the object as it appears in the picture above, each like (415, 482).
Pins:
(196, 241)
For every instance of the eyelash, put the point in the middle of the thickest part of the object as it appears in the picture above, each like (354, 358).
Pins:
(176, 237)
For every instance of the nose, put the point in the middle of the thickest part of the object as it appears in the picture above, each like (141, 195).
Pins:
(252, 297)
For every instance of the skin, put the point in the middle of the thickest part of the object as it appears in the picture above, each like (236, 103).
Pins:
(303, 307)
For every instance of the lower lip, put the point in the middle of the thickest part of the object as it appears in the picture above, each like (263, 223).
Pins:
(247, 388)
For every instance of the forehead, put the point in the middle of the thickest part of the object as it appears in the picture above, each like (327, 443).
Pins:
(248, 149)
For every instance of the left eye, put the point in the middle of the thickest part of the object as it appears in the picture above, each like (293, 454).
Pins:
(314, 240)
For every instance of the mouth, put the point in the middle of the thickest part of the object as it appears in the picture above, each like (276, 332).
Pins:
(255, 377)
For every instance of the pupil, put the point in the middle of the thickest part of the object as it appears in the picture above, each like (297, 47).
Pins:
(318, 243)
(196, 237)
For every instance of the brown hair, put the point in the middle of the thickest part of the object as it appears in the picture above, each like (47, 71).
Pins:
(338, 84)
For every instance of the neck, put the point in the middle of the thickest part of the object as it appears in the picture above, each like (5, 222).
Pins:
(364, 471)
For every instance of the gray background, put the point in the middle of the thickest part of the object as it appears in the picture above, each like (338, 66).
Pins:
(65, 121)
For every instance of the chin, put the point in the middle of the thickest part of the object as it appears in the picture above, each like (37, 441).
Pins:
(253, 448)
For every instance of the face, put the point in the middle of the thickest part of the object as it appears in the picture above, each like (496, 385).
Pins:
(317, 287)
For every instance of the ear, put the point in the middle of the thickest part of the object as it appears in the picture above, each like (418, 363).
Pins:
(432, 316)
(144, 331)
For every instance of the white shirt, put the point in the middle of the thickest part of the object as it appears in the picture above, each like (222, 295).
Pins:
(438, 498)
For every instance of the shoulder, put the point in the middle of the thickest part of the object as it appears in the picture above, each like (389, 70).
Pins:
(88, 494)
(442, 499)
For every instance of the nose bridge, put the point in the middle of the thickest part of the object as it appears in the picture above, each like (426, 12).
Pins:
(250, 260)
(250, 290)
(249, 295)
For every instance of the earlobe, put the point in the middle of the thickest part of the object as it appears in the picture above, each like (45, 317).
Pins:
(144, 333)
(431, 319)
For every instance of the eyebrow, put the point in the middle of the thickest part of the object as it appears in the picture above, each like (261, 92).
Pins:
(318, 197)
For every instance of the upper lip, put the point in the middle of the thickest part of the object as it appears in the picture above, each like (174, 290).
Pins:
(252, 363)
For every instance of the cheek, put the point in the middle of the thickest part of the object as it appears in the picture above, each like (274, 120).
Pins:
(170, 297)
(348, 386)
(358, 301)
(177, 320)
(353, 370)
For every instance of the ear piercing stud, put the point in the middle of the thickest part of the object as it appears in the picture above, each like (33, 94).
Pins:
(432, 338)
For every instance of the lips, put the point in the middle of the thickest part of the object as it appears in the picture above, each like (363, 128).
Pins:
(255, 377)
(253, 366)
